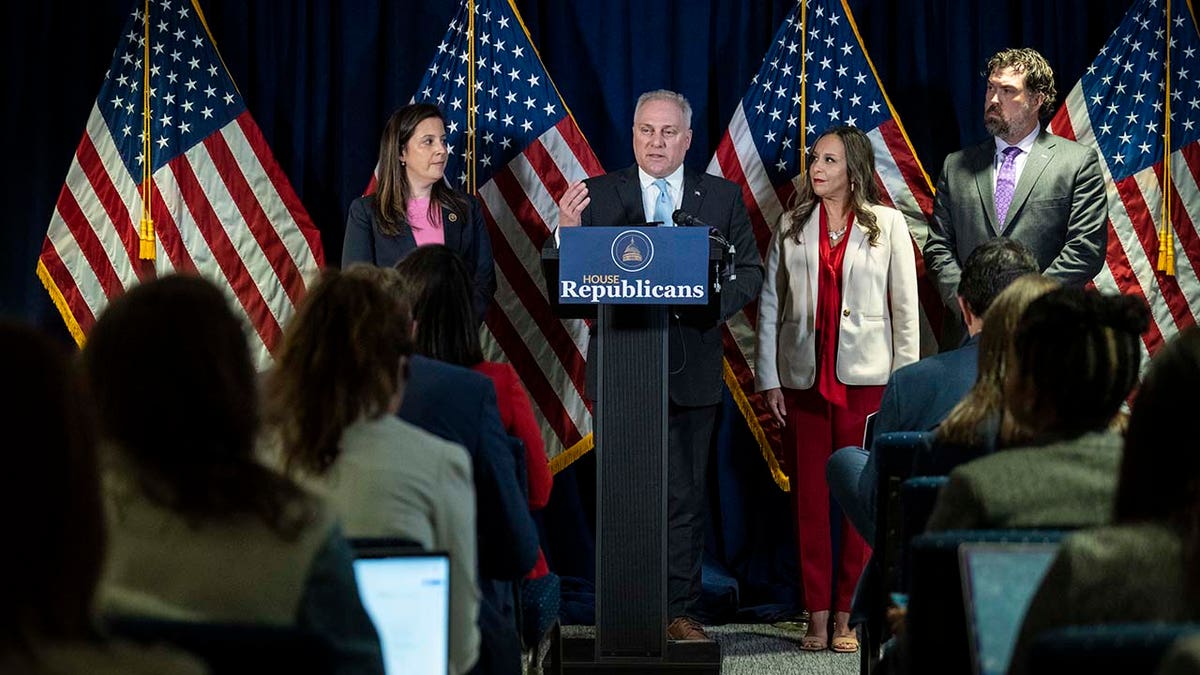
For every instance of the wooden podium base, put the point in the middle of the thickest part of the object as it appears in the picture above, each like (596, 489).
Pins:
(578, 654)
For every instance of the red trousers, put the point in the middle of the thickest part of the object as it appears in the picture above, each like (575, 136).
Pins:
(815, 428)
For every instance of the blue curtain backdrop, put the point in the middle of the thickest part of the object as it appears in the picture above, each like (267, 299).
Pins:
(321, 77)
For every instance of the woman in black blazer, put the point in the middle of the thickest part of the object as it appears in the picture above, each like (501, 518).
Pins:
(414, 205)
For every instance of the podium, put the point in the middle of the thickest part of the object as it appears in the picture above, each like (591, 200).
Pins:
(633, 280)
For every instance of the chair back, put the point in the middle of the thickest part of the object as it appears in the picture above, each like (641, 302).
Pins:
(918, 495)
(936, 621)
(894, 453)
(233, 648)
(1109, 648)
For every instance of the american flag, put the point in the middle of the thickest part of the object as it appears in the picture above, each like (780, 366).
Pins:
(1120, 107)
(815, 75)
(220, 205)
(527, 150)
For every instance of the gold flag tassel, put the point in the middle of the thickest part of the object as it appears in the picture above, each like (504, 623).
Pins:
(471, 185)
(1166, 237)
(146, 245)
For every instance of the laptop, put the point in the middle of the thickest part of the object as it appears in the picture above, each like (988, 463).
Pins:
(999, 580)
(406, 592)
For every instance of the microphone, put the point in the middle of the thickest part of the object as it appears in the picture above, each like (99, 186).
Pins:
(682, 217)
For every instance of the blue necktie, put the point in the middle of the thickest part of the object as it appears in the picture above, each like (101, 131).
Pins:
(663, 205)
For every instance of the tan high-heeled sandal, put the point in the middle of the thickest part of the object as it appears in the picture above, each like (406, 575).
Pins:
(846, 643)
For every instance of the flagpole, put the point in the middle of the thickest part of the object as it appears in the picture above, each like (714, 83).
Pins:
(146, 235)
(803, 86)
(470, 149)
(1166, 239)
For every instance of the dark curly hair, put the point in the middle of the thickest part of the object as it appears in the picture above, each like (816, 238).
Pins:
(1039, 76)
(1077, 355)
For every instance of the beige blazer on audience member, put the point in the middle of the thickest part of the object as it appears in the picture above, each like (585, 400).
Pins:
(879, 329)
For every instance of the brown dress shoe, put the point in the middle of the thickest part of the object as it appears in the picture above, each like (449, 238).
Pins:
(686, 629)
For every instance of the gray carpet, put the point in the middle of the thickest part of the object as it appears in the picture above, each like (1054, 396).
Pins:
(765, 649)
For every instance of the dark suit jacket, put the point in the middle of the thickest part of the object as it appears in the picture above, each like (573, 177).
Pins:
(917, 398)
(365, 243)
(459, 405)
(695, 348)
(1058, 209)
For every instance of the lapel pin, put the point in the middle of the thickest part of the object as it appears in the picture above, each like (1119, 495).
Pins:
(697, 192)
(453, 216)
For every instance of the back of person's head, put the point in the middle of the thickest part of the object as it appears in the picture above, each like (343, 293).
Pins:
(50, 489)
(990, 268)
(1076, 356)
(175, 391)
(1160, 470)
(985, 400)
(435, 283)
(342, 359)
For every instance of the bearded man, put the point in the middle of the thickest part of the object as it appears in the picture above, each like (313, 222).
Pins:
(1023, 183)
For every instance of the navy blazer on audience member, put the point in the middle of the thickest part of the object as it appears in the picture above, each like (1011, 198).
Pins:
(917, 398)
(459, 405)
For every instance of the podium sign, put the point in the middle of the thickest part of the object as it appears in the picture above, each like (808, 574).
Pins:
(633, 266)
(635, 280)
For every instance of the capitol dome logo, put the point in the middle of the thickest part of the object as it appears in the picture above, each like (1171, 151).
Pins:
(632, 251)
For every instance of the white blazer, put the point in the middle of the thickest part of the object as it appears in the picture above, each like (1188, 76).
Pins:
(879, 330)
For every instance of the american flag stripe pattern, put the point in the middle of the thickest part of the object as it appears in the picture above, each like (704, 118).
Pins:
(1119, 107)
(762, 151)
(222, 207)
(528, 149)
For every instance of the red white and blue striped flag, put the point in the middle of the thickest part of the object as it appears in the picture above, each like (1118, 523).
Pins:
(220, 205)
(815, 75)
(527, 150)
(1121, 107)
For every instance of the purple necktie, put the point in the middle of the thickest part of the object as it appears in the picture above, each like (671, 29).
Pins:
(1006, 182)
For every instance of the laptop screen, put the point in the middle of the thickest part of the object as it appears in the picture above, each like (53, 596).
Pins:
(999, 580)
(406, 593)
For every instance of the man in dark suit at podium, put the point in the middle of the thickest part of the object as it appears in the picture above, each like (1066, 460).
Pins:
(652, 190)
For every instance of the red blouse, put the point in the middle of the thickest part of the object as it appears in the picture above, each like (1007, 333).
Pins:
(829, 304)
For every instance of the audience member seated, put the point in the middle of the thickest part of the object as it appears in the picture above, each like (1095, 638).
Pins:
(919, 395)
(333, 396)
(1075, 358)
(1145, 566)
(199, 530)
(459, 405)
(972, 429)
(435, 283)
(56, 526)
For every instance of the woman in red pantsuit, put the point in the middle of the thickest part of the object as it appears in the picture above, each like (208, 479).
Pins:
(837, 314)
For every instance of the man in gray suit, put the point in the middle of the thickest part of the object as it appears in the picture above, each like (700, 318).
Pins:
(1024, 183)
